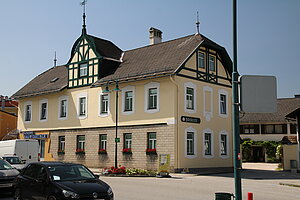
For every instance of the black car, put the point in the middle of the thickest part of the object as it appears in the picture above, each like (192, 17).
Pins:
(7, 176)
(58, 180)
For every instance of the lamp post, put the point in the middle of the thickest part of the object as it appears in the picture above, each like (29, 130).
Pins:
(117, 90)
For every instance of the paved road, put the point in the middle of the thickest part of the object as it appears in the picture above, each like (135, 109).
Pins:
(263, 183)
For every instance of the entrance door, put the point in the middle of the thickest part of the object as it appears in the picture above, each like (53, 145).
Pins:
(42, 149)
(258, 154)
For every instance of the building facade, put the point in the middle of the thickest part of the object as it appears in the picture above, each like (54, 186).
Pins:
(8, 118)
(170, 97)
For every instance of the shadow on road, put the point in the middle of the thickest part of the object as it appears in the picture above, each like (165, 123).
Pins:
(261, 175)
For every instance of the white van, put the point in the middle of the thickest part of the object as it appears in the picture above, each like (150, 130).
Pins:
(27, 150)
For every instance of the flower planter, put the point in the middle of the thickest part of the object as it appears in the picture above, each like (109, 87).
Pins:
(102, 152)
(127, 152)
(151, 153)
(80, 153)
(60, 153)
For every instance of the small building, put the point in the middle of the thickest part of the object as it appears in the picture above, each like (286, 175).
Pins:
(268, 127)
(168, 97)
(8, 118)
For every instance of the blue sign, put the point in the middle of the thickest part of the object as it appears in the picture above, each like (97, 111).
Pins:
(32, 135)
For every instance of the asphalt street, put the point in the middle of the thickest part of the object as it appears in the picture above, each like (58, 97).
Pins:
(264, 184)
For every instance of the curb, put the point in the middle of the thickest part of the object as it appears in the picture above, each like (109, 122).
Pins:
(289, 184)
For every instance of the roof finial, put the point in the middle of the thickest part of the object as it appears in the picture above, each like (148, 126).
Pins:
(83, 16)
(55, 59)
(198, 24)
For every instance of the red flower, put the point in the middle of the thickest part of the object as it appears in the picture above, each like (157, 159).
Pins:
(102, 151)
(151, 150)
(79, 150)
(128, 150)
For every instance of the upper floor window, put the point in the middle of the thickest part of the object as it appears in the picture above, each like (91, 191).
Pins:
(223, 103)
(28, 112)
(274, 129)
(63, 107)
(152, 97)
(201, 60)
(82, 100)
(127, 140)
(151, 143)
(128, 95)
(128, 101)
(207, 143)
(212, 63)
(103, 141)
(43, 110)
(83, 69)
(190, 98)
(104, 104)
(249, 129)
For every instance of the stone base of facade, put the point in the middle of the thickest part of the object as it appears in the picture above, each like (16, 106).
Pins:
(138, 159)
(205, 171)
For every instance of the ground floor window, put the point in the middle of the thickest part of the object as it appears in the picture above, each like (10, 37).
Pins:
(103, 141)
(151, 141)
(80, 143)
(190, 143)
(61, 143)
(127, 140)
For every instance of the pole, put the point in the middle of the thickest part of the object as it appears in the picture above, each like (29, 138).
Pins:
(235, 108)
(116, 143)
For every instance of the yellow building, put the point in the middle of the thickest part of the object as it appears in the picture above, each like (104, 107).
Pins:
(170, 97)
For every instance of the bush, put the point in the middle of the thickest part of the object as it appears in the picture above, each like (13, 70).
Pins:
(136, 171)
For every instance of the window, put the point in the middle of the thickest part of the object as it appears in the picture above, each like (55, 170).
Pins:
(103, 141)
(80, 143)
(61, 143)
(83, 70)
(152, 97)
(223, 144)
(212, 63)
(63, 107)
(104, 104)
(28, 112)
(151, 143)
(82, 106)
(223, 108)
(190, 98)
(43, 109)
(249, 129)
(127, 140)
(152, 102)
(201, 60)
(207, 143)
(128, 101)
(274, 129)
(190, 143)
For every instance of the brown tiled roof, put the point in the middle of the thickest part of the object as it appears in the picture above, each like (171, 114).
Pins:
(52, 80)
(289, 140)
(284, 107)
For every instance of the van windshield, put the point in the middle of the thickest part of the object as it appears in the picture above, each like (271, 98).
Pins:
(69, 173)
(4, 165)
(13, 160)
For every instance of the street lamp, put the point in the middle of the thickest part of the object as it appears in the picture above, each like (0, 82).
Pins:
(117, 90)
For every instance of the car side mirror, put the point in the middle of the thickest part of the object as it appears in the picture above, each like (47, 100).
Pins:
(96, 175)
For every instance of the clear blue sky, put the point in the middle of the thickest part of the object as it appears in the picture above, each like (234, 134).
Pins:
(31, 30)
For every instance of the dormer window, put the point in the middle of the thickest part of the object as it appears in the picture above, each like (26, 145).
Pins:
(212, 63)
(201, 60)
(83, 70)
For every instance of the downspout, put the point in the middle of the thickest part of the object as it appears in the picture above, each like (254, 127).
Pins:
(176, 120)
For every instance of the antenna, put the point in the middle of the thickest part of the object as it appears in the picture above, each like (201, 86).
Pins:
(198, 24)
(83, 3)
(55, 59)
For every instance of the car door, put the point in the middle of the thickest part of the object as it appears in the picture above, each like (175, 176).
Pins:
(39, 185)
(28, 178)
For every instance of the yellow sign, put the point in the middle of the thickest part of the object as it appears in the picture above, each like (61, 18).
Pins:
(164, 164)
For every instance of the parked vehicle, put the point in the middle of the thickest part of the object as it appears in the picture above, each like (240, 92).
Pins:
(14, 161)
(7, 176)
(58, 180)
(27, 150)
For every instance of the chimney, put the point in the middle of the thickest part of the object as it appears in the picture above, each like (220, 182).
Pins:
(155, 36)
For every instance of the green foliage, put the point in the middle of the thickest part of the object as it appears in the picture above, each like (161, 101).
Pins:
(136, 171)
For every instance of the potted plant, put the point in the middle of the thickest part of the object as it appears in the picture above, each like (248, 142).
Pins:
(102, 151)
(127, 151)
(60, 152)
(151, 151)
(80, 151)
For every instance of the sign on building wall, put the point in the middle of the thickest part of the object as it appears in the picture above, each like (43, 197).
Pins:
(32, 135)
(164, 164)
(190, 119)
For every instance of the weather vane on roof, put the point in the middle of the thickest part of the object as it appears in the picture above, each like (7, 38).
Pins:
(83, 3)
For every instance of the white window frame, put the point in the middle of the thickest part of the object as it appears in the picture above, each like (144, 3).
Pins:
(209, 131)
(40, 110)
(224, 132)
(127, 142)
(60, 99)
(223, 92)
(209, 62)
(208, 114)
(100, 104)
(62, 144)
(124, 90)
(84, 69)
(201, 53)
(103, 143)
(27, 103)
(190, 129)
(190, 85)
(146, 100)
(81, 95)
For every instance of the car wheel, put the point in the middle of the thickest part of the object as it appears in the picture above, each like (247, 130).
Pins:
(51, 198)
(17, 194)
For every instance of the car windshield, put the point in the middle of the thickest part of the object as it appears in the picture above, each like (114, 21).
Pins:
(13, 160)
(69, 173)
(4, 165)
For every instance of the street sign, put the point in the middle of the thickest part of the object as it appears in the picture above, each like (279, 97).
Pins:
(117, 140)
(190, 119)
